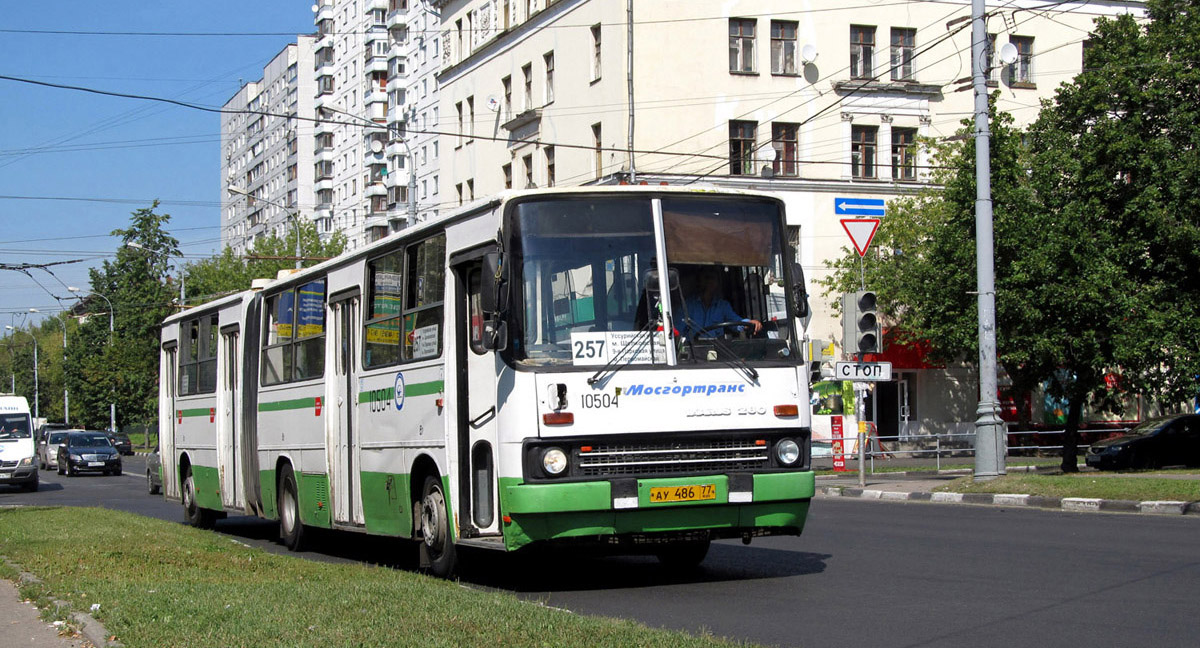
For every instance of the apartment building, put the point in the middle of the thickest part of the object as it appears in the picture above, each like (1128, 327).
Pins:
(819, 101)
(267, 158)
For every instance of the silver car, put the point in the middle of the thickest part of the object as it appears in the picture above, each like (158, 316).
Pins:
(48, 449)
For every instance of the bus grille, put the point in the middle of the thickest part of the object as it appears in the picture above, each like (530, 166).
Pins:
(702, 455)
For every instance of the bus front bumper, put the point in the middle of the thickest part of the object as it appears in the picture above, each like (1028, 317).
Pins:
(621, 510)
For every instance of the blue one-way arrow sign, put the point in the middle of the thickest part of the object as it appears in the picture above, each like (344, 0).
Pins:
(859, 206)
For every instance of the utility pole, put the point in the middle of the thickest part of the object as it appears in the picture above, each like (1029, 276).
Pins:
(989, 429)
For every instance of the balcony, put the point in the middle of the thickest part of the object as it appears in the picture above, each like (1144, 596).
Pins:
(324, 11)
(372, 63)
(324, 155)
(377, 189)
(522, 119)
(377, 4)
(326, 183)
(395, 147)
(398, 18)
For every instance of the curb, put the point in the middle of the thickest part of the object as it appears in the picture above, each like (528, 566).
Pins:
(89, 627)
(1072, 504)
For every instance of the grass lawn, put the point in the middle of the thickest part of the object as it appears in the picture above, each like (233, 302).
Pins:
(1087, 484)
(162, 584)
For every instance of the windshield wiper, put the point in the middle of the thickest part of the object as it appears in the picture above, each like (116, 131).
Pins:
(733, 361)
(625, 356)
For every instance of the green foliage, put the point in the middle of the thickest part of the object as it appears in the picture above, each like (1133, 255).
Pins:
(1096, 239)
(228, 272)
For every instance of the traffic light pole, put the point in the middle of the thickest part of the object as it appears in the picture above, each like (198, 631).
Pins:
(989, 429)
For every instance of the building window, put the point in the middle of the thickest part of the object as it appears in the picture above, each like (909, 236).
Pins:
(595, 52)
(506, 82)
(1022, 70)
(458, 108)
(470, 189)
(741, 45)
(507, 171)
(862, 151)
(862, 51)
(904, 154)
(549, 166)
(599, 150)
(470, 119)
(741, 147)
(527, 161)
(783, 47)
(527, 74)
(458, 188)
(903, 42)
(548, 59)
(990, 56)
(785, 139)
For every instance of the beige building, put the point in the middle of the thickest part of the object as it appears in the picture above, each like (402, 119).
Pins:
(820, 101)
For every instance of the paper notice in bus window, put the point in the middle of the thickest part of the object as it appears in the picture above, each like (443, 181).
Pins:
(425, 341)
(627, 346)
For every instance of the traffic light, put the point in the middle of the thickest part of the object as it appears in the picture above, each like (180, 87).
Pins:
(861, 332)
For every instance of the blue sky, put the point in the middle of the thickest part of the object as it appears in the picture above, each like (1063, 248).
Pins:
(116, 154)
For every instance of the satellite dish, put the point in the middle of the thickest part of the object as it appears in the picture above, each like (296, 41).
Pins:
(1008, 54)
(315, 8)
(808, 53)
(767, 152)
(492, 104)
(376, 146)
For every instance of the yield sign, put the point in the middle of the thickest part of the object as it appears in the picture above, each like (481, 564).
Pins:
(861, 231)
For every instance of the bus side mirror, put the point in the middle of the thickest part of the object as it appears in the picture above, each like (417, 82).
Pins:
(491, 283)
(495, 328)
(799, 292)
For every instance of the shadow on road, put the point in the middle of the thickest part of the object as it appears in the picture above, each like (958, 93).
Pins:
(540, 569)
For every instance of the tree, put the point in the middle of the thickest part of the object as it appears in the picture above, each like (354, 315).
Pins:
(228, 272)
(122, 367)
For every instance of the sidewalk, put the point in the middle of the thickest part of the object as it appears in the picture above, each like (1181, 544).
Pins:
(921, 486)
(20, 625)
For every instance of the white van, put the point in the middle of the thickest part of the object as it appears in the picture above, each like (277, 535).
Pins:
(18, 454)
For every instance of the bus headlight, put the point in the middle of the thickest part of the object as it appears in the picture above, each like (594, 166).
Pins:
(554, 462)
(787, 452)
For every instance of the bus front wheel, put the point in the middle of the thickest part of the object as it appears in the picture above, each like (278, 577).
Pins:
(291, 529)
(437, 548)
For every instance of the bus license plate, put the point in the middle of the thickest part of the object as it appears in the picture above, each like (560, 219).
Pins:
(692, 493)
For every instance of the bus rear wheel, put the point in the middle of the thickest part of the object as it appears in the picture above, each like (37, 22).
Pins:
(201, 518)
(437, 549)
(291, 529)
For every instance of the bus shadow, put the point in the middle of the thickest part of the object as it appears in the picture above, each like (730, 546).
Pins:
(544, 570)
(541, 569)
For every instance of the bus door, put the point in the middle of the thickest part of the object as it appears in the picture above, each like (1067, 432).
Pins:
(229, 455)
(167, 420)
(476, 400)
(346, 493)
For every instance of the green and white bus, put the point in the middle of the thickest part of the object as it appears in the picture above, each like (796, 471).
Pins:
(506, 376)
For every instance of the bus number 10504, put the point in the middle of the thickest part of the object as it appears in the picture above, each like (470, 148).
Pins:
(597, 401)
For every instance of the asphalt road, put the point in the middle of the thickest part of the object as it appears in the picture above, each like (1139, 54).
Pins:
(865, 573)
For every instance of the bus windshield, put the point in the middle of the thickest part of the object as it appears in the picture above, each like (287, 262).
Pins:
(589, 285)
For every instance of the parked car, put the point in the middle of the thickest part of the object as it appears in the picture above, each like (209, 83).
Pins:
(48, 448)
(121, 442)
(1166, 441)
(154, 473)
(88, 452)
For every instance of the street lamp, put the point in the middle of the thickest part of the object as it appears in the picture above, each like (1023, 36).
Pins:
(36, 414)
(66, 396)
(290, 214)
(112, 405)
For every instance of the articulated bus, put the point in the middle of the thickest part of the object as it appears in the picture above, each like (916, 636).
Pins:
(506, 376)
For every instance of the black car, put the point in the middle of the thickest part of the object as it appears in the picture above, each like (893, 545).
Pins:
(154, 473)
(121, 442)
(1167, 441)
(88, 452)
